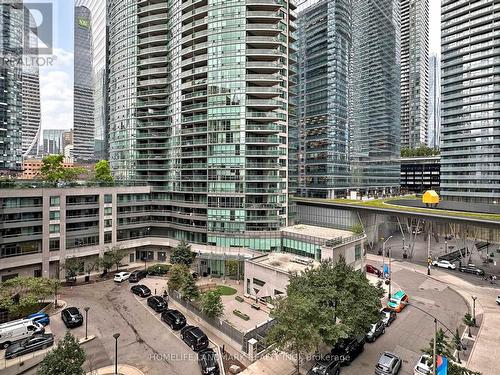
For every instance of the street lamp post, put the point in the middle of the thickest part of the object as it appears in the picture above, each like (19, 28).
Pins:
(116, 335)
(474, 298)
(383, 264)
(86, 320)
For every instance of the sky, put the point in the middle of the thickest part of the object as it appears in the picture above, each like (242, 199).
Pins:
(56, 81)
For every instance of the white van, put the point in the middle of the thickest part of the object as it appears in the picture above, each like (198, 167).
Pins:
(16, 330)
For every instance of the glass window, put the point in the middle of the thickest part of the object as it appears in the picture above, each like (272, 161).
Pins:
(55, 201)
(108, 198)
(54, 228)
(108, 211)
(55, 215)
(107, 237)
(357, 252)
(108, 223)
(54, 244)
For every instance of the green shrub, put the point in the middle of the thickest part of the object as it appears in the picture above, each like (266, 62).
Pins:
(239, 299)
(241, 315)
(158, 269)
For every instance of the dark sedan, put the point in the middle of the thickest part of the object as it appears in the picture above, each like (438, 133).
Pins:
(470, 268)
(141, 290)
(375, 331)
(157, 303)
(34, 343)
(72, 317)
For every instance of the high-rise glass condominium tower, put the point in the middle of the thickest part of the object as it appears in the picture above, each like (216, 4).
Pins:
(98, 32)
(199, 108)
(31, 127)
(470, 129)
(324, 45)
(434, 122)
(11, 50)
(83, 110)
(375, 100)
(414, 72)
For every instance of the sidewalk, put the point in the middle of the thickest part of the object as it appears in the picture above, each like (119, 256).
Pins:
(122, 370)
(485, 354)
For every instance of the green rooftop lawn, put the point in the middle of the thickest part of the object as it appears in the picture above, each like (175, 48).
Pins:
(386, 203)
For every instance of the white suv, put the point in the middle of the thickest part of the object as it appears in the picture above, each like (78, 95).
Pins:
(121, 276)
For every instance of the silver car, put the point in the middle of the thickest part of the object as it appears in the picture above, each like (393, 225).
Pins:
(388, 364)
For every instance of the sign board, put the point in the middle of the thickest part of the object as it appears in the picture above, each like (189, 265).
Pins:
(83, 22)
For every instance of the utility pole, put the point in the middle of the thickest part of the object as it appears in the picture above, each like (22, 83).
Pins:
(429, 260)
(390, 272)
(434, 357)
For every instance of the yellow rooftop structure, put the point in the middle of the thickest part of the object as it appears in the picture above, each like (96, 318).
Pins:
(430, 197)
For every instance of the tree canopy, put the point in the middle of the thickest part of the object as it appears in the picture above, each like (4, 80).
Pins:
(102, 171)
(211, 304)
(66, 359)
(324, 304)
(182, 254)
(20, 294)
(53, 170)
(178, 275)
(189, 289)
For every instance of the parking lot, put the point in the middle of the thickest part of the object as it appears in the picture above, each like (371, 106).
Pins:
(145, 341)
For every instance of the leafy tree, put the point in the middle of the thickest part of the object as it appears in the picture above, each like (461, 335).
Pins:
(469, 322)
(53, 170)
(357, 229)
(454, 369)
(90, 266)
(73, 266)
(116, 255)
(178, 274)
(189, 289)
(409, 152)
(102, 171)
(211, 304)
(21, 294)
(295, 331)
(107, 261)
(182, 254)
(457, 344)
(443, 347)
(66, 359)
(346, 302)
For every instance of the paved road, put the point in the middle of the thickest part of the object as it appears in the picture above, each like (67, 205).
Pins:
(144, 341)
(413, 329)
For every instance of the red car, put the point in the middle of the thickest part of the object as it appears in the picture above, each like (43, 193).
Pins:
(372, 269)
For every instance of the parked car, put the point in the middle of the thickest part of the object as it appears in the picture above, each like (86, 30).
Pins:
(444, 264)
(208, 362)
(40, 317)
(32, 344)
(373, 269)
(141, 290)
(325, 366)
(157, 303)
(398, 301)
(388, 364)
(194, 337)
(498, 300)
(17, 330)
(375, 331)
(470, 268)
(121, 276)
(174, 319)
(71, 317)
(348, 349)
(388, 316)
(137, 275)
(424, 365)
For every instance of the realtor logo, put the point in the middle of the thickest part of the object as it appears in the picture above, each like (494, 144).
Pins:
(38, 28)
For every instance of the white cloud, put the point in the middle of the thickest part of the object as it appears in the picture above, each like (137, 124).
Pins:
(56, 91)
